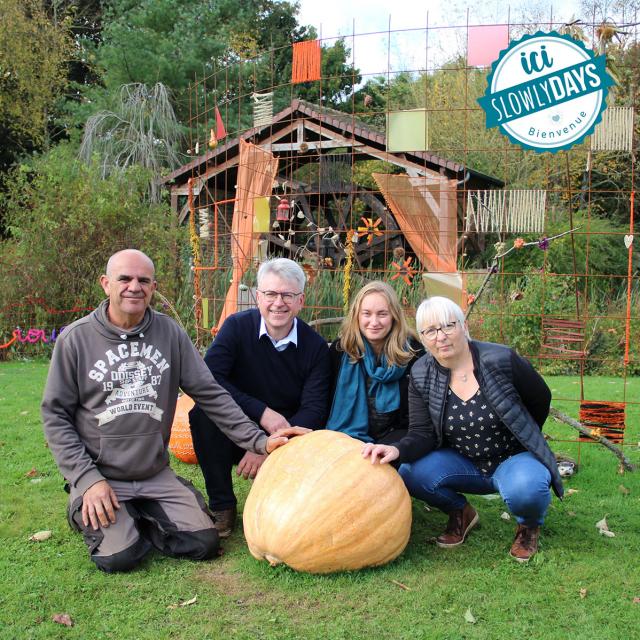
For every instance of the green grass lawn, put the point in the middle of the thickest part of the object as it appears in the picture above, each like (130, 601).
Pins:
(580, 585)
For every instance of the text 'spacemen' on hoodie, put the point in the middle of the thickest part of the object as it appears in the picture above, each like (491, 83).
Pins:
(111, 394)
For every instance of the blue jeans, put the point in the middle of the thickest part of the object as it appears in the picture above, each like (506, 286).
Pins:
(522, 481)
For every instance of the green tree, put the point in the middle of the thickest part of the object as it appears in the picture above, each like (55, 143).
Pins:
(85, 19)
(176, 41)
(240, 46)
(142, 130)
(34, 53)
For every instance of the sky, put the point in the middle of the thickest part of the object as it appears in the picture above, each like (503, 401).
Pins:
(391, 35)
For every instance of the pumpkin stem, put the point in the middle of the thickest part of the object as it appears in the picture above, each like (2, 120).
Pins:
(273, 561)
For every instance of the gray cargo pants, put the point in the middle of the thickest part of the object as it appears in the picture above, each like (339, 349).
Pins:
(164, 512)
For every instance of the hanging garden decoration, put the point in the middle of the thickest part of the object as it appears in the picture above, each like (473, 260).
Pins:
(283, 210)
(213, 141)
(370, 228)
(349, 252)
(404, 271)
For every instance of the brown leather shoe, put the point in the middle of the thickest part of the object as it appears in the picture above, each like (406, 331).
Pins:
(525, 544)
(461, 521)
(225, 521)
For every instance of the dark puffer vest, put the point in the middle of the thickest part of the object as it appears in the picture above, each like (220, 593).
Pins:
(513, 388)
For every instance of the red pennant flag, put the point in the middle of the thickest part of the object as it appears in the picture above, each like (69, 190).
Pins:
(220, 130)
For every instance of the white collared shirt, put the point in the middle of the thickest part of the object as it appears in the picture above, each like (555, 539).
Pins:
(280, 345)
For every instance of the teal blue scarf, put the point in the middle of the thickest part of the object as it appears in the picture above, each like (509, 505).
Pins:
(349, 411)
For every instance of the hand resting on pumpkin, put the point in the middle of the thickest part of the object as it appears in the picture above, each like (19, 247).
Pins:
(272, 421)
(281, 436)
(250, 464)
(380, 452)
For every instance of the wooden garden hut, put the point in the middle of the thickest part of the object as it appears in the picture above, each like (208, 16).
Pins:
(304, 134)
(290, 187)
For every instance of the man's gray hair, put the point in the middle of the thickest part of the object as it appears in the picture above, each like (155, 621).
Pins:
(283, 268)
(439, 310)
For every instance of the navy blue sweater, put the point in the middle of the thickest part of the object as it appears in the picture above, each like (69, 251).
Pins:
(293, 382)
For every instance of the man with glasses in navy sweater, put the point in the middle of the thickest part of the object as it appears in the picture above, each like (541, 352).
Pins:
(275, 367)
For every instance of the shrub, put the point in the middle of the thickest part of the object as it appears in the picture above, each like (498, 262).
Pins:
(64, 222)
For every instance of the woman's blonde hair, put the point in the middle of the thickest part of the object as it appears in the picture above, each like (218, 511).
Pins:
(396, 347)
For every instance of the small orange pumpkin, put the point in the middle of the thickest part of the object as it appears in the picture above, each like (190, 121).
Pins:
(180, 442)
(318, 506)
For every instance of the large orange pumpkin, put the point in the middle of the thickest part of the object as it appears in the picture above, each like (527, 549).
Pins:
(318, 506)
(180, 442)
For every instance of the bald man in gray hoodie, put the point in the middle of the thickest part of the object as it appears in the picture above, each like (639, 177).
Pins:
(107, 410)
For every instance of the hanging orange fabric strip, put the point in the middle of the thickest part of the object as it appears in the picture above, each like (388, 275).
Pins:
(306, 61)
(629, 278)
(257, 171)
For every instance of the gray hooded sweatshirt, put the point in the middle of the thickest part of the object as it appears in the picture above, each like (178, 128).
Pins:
(111, 394)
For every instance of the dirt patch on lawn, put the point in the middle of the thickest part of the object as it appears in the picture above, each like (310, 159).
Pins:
(246, 590)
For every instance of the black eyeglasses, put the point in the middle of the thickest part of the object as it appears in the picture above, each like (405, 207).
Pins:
(431, 333)
(287, 296)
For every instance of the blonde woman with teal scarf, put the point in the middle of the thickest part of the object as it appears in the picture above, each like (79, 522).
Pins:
(370, 365)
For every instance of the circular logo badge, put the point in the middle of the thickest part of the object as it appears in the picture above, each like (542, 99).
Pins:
(546, 92)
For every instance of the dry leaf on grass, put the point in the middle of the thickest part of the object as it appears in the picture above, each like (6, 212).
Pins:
(63, 618)
(40, 536)
(570, 492)
(469, 617)
(583, 593)
(623, 490)
(603, 528)
(32, 473)
(186, 603)
(636, 600)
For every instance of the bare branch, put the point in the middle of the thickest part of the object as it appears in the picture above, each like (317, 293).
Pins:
(589, 433)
